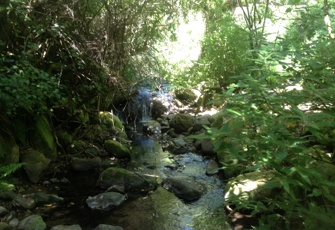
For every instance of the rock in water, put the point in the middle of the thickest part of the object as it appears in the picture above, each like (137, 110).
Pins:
(185, 189)
(212, 167)
(105, 201)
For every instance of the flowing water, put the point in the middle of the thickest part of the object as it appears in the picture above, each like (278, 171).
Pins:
(162, 209)
(157, 210)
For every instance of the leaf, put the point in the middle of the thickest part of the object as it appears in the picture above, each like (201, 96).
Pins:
(281, 155)
(235, 112)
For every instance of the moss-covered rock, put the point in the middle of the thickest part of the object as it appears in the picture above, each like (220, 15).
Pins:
(121, 180)
(42, 138)
(251, 186)
(186, 96)
(182, 123)
(33, 222)
(98, 133)
(9, 150)
(152, 127)
(36, 164)
(77, 147)
(116, 149)
(110, 120)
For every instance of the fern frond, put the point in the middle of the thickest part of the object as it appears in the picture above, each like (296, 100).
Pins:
(6, 170)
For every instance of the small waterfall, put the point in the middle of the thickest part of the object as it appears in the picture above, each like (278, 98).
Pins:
(141, 106)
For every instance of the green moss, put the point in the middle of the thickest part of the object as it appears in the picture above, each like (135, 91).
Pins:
(116, 149)
(43, 139)
(9, 150)
(110, 120)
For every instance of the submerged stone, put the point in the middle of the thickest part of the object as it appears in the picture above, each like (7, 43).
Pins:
(105, 201)
(185, 189)
(43, 198)
(119, 179)
(212, 167)
(85, 164)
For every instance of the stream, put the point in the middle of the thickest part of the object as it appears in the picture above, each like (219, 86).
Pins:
(159, 209)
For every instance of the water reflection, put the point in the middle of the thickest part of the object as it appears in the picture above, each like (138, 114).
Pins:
(161, 209)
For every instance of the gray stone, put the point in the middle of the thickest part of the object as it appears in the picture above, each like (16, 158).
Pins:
(200, 122)
(107, 227)
(3, 211)
(66, 227)
(43, 198)
(18, 200)
(105, 201)
(212, 167)
(33, 222)
(14, 222)
(185, 189)
(179, 142)
(36, 164)
(83, 164)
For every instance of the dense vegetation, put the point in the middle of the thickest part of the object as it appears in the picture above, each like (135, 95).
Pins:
(69, 59)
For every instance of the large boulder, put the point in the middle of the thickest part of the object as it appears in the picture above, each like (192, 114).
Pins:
(122, 180)
(85, 164)
(36, 164)
(200, 122)
(158, 108)
(186, 96)
(252, 186)
(116, 149)
(42, 138)
(182, 123)
(110, 120)
(33, 222)
(186, 189)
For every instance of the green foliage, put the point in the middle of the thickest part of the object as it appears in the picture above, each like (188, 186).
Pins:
(279, 108)
(224, 53)
(5, 171)
(25, 87)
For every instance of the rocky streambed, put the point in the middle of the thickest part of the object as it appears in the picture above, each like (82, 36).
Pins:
(156, 190)
(110, 179)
